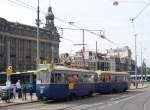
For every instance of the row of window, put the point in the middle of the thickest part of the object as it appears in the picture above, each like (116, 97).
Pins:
(28, 31)
(113, 78)
(45, 76)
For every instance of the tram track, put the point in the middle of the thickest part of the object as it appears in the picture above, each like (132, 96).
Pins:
(145, 104)
(81, 104)
(128, 95)
(130, 101)
(105, 102)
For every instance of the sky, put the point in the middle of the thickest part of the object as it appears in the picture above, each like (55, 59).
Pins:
(93, 15)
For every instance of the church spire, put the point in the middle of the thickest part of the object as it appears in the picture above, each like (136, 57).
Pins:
(49, 2)
(50, 17)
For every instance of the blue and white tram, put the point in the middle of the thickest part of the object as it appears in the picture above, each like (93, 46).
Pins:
(109, 82)
(63, 83)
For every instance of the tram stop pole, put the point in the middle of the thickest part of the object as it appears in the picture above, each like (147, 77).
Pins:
(8, 81)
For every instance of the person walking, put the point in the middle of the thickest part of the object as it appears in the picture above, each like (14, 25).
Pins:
(14, 91)
(24, 91)
(18, 86)
(31, 92)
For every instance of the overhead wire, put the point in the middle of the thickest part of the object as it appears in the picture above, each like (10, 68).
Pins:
(25, 5)
(143, 9)
(22, 4)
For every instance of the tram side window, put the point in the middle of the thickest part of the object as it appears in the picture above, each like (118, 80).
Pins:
(119, 78)
(126, 78)
(57, 78)
(114, 79)
(52, 78)
(72, 78)
(105, 78)
(87, 78)
(102, 78)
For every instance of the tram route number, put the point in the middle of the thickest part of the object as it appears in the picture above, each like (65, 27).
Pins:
(71, 86)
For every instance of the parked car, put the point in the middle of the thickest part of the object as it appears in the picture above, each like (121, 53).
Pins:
(6, 92)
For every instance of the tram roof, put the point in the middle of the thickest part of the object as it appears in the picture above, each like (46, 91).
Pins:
(71, 69)
(111, 72)
(64, 68)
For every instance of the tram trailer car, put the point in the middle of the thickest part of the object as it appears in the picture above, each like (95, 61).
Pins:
(110, 82)
(63, 83)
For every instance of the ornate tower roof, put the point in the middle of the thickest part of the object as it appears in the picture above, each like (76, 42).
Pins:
(50, 15)
(49, 18)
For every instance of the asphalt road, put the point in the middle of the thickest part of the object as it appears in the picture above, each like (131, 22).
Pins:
(132, 100)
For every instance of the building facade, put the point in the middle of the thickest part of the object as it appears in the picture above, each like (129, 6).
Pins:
(120, 59)
(18, 44)
(89, 60)
(114, 60)
(124, 52)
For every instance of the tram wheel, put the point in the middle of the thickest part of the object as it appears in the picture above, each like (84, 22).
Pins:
(40, 98)
(71, 97)
(114, 91)
(90, 94)
(124, 90)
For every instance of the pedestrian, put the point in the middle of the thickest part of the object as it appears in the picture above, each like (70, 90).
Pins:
(24, 91)
(14, 91)
(31, 92)
(142, 82)
(18, 86)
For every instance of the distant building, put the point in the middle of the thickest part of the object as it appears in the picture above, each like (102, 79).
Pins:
(120, 59)
(18, 43)
(114, 60)
(124, 52)
(89, 60)
(78, 60)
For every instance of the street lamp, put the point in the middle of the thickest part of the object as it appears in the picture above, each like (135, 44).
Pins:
(116, 3)
(135, 36)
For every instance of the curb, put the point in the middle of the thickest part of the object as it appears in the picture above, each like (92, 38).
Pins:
(13, 104)
(140, 88)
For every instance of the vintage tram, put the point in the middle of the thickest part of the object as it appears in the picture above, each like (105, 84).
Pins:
(109, 81)
(62, 83)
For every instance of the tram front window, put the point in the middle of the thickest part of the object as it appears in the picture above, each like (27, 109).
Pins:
(43, 76)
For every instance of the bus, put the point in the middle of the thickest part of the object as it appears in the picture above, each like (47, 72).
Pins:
(27, 79)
